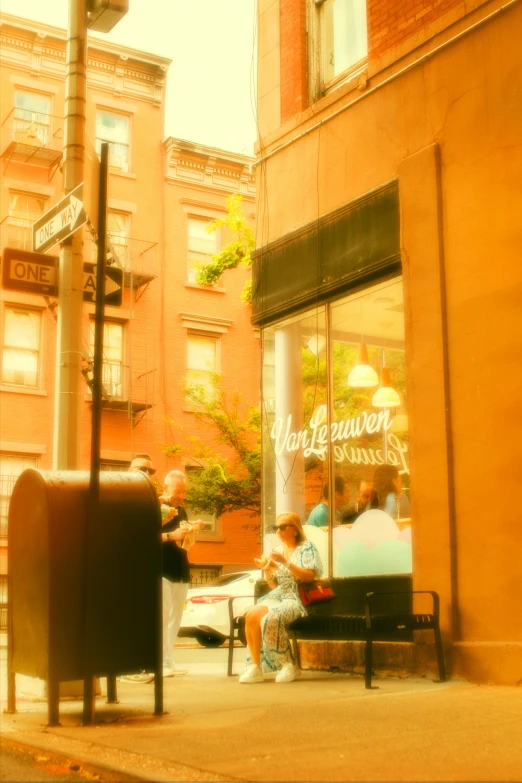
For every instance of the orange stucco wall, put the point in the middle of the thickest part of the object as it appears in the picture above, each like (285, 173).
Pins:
(449, 129)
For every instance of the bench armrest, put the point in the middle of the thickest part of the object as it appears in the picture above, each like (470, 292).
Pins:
(231, 607)
(369, 596)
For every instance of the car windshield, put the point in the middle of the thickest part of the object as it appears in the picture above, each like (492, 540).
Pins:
(226, 579)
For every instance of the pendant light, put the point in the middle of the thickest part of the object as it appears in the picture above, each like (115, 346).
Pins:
(363, 374)
(386, 396)
(316, 343)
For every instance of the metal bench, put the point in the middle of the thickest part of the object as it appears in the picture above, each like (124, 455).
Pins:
(358, 614)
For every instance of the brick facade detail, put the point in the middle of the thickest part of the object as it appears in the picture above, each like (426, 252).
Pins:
(391, 23)
(294, 71)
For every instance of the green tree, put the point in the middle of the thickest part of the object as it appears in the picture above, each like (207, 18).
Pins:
(237, 252)
(223, 483)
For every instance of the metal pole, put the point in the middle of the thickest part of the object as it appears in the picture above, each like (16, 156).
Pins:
(97, 369)
(70, 278)
(89, 688)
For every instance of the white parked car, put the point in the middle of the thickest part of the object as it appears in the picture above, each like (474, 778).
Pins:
(206, 610)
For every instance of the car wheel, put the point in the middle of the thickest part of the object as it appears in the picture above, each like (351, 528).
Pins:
(210, 639)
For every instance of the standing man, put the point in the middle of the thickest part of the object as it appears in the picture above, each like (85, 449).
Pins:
(142, 463)
(176, 570)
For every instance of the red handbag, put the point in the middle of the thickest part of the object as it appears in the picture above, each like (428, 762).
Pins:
(319, 591)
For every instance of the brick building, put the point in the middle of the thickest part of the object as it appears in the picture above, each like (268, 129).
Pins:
(387, 288)
(161, 194)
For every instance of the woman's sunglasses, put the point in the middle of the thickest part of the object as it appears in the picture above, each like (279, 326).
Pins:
(283, 526)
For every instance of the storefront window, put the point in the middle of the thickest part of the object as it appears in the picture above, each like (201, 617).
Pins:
(295, 469)
(334, 400)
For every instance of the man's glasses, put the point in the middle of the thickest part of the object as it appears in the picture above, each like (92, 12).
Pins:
(282, 527)
(150, 471)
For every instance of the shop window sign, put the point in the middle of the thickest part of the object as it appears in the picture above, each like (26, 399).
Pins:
(321, 418)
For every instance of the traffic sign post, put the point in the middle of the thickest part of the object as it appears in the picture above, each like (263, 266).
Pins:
(60, 222)
(36, 273)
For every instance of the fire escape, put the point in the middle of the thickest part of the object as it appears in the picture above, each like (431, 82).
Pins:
(128, 381)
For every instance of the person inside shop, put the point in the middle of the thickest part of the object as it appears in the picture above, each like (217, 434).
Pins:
(366, 499)
(387, 483)
(294, 559)
(319, 514)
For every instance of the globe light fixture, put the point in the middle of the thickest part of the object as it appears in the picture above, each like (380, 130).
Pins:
(386, 396)
(363, 374)
(316, 343)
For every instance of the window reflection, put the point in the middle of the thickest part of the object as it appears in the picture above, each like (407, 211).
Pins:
(366, 430)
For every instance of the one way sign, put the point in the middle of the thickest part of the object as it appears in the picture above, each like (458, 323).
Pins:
(36, 273)
(60, 222)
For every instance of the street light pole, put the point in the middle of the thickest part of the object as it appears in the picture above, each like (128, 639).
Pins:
(70, 281)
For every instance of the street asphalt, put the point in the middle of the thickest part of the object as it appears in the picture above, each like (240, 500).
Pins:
(323, 727)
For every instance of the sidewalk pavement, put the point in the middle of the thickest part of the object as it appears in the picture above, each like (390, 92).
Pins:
(323, 727)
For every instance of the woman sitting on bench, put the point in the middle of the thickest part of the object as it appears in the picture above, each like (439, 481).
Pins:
(295, 559)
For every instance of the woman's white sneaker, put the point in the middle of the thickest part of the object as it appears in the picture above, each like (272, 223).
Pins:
(288, 673)
(251, 675)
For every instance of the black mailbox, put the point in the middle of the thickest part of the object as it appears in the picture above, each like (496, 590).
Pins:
(84, 584)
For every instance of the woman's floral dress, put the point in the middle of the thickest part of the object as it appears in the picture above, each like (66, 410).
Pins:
(285, 606)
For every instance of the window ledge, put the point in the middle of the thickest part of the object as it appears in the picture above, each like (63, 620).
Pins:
(22, 390)
(210, 538)
(212, 288)
(125, 174)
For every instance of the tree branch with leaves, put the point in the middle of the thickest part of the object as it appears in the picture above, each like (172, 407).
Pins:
(230, 482)
(237, 252)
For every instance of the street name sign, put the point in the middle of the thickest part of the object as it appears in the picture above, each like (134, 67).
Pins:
(60, 222)
(36, 273)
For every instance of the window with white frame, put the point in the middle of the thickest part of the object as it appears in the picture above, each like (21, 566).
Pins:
(203, 362)
(32, 117)
(113, 373)
(24, 210)
(115, 129)
(342, 37)
(210, 520)
(11, 466)
(21, 346)
(118, 227)
(201, 245)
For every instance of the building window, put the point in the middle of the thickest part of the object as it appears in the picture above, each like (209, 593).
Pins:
(201, 245)
(32, 117)
(11, 466)
(353, 441)
(24, 210)
(342, 38)
(114, 128)
(211, 522)
(114, 466)
(21, 348)
(203, 362)
(118, 227)
(113, 374)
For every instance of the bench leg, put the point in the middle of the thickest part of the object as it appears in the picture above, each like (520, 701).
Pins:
(440, 653)
(230, 652)
(295, 649)
(368, 660)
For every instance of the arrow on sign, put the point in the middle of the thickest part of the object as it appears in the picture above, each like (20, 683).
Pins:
(60, 222)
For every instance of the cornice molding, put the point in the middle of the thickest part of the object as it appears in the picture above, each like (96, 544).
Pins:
(196, 164)
(110, 67)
